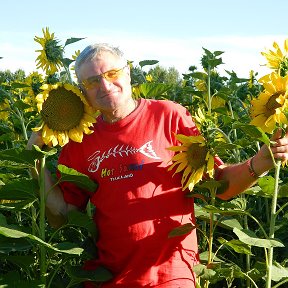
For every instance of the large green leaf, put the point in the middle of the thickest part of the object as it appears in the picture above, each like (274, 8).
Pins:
(80, 219)
(250, 238)
(253, 132)
(267, 185)
(66, 62)
(279, 272)
(283, 191)
(62, 248)
(8, 245)
(20, 156)
(153, 90)
(78, 275)
(17, 204)
(225, 222)
(204, 272)
(237, 245)
(79, 179)
(13, 279)
(20, 190)
(181, 230)
(23, 261)
(72, 40)
(147, 62)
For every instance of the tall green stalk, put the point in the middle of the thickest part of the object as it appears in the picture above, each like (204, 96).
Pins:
(272, 223)
(42, 221)
(211, 232)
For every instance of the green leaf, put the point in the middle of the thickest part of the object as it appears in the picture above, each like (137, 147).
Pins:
(213, 209)
(283, 191)
(81, 180)
(253, 132)
(215, 62)
(218, 53)
(78, 275)
(181, 230)
(66, 62)
(229, 223)
(72, 40)
(17, 205)
(205, 255)
(20, 190)
(198, 75)
(8, 245)
(23, 261)
(21, 105)
(279, 272)
(155, 90)
(80, 219)
(250, 238)
(20, 156)
(12, 279)
(12, 233)
(147, 62)
(203, 272)
(46, 153)
(237, 245)
(15, 85)
(267, 185)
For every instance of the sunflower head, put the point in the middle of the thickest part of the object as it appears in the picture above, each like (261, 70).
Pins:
(50, 58)
(34, 81)
(193, 159)
(4, 110)
(277, 59)
(269, 110)
(65, 114)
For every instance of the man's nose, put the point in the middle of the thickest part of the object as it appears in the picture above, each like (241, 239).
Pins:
(105, 85)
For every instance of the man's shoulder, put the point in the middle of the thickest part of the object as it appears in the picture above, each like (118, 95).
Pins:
(164, 104)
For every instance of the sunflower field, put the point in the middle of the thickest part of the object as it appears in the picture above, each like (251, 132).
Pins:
(242, 242)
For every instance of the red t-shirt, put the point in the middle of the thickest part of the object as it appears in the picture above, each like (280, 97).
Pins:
(138, 202)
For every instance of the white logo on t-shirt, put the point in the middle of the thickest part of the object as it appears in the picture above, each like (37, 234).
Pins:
(96, 159)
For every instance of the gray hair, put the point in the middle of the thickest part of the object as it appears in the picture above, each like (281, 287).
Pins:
(91, 51)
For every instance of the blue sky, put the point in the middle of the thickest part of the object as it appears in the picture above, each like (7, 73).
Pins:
(172, 32)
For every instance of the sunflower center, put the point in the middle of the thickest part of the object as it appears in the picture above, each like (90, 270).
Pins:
(272, 104)
(62, 110)
(196, 155)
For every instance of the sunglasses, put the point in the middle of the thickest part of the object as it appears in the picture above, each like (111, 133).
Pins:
(111, 75)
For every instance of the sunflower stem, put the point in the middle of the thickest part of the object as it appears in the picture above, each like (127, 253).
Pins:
(273, 216)
(208, 88)
(68, 74)
(211, 231)
(42, 221)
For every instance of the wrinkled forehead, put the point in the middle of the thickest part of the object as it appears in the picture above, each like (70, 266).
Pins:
(100, 63)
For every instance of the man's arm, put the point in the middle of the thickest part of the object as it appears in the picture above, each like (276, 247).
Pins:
(239, 177)
(56, 207)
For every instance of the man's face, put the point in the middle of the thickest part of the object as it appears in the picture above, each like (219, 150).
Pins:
(109, 94)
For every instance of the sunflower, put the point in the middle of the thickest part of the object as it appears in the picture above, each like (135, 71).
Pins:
(194, 158)
(50, 58)
(74, 57)
(277, 60)
(65, 114)
(34, 81)
(216, 101)
(149, 78)
(271, 105)
(4, 109)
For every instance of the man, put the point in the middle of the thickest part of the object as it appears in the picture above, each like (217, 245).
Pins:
(138, 202)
